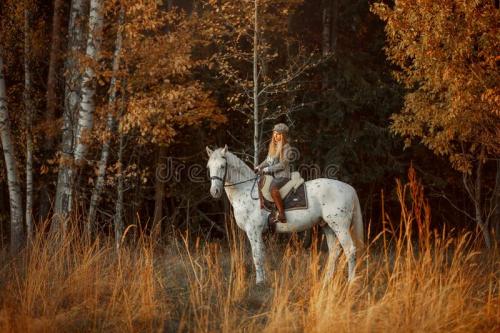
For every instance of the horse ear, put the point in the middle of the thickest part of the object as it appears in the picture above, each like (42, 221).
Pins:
(224, 151)
(209, 151)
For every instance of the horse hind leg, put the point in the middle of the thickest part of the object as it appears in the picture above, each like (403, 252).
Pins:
(333, 250)
(341, 228)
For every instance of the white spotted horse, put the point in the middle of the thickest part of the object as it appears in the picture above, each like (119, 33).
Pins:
(332, 201)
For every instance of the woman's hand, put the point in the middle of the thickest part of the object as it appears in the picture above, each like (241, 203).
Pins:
(261, 170)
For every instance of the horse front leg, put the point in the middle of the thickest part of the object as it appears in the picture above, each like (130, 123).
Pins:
(258, 251)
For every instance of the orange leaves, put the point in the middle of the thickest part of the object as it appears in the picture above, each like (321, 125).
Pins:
(444, 52)
(492, 97)
(163, 94)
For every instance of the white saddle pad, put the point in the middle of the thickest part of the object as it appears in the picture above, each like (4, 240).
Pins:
(293, 183)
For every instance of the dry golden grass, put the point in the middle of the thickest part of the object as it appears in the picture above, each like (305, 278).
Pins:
(409, 279)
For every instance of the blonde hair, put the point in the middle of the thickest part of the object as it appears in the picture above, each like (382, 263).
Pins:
(276, 150)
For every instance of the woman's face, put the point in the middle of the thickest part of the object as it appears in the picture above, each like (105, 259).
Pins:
(277, 137)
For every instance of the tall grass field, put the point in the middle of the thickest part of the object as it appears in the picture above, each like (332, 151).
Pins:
(410, 278)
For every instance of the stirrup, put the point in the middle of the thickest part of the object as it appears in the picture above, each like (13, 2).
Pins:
(271, 223)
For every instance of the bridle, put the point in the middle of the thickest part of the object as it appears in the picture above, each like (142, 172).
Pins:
(223, 180)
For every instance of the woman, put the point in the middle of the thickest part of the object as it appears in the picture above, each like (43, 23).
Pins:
(277, 164)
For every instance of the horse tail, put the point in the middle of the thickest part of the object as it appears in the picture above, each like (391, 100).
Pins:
(358, 222)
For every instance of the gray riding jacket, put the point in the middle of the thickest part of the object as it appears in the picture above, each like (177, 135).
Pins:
(276, 167)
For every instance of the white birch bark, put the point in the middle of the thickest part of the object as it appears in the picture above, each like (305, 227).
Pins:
(16, 209)
(71, 102)
(87, 102)
(86, 106)
(110, 126)
(28, 105)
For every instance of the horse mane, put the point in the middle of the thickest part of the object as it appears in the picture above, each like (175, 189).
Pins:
(240, 166)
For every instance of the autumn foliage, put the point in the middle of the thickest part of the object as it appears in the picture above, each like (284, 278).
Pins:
(107, 106)
(446, 53)
(163, 92)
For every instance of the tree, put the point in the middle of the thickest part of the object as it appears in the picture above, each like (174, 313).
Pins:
(251, 38)
(51, 100)
(13, 180)
(110, 125)
(155, 47)
(447, 54)
(164, 95)
(29, 110)
(87, 102)
(71, 101)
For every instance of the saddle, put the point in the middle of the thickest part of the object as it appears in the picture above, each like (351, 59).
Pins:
(293, 192)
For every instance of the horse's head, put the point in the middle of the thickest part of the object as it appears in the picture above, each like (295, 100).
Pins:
(217, 166)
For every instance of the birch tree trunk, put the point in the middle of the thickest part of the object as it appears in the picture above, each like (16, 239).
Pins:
(16, 209)
(87, 102)
(71, 103)
(110, 128)
(85, 114)
(256, 85)
(28, 106)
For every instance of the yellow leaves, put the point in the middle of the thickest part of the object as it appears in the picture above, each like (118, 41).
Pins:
(492, 97)
(159, 112)
(443, 53)
(462, 162)
(380, 9)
